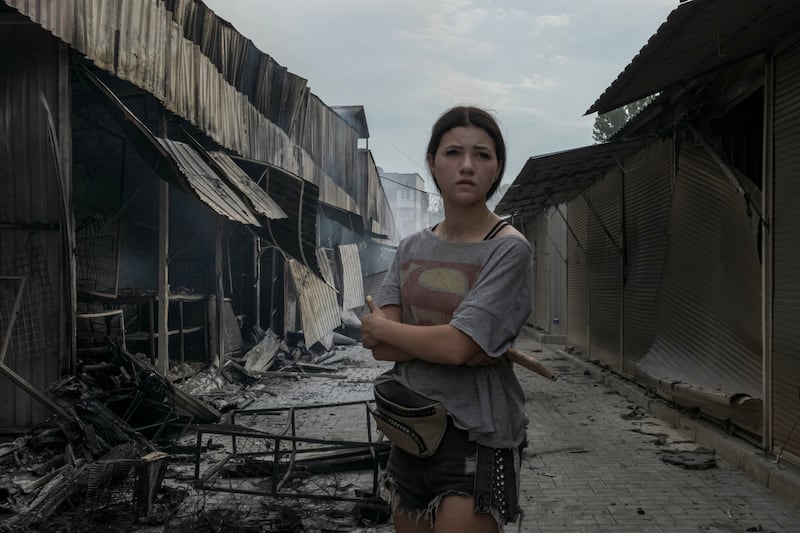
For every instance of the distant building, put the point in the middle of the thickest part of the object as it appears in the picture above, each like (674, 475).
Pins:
(408, 200)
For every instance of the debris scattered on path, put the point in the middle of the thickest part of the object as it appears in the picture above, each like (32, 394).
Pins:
(698, 459)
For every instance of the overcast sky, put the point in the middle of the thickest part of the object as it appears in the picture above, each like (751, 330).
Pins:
(538, 65)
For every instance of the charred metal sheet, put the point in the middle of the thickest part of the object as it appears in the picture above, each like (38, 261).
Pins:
(295, 236)
(319, 308)
(326, 266)
(260, 200)
(185, 167)
(352, 279)
(697, 38)
(206, 184)
(551, 179)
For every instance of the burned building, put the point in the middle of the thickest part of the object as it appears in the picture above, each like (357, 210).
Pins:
(166, 185)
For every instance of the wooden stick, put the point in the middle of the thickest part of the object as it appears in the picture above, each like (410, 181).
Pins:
(528, 361)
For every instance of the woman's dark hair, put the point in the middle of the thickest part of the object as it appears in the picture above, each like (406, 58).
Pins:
(462, 117)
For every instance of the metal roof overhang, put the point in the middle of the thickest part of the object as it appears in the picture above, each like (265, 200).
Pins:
(698, 37)
(552, 179)
(177, 162)
(296, 235)
(260, 200)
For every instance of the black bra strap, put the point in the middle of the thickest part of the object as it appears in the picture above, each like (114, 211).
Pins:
(492, 232)
(495, 230)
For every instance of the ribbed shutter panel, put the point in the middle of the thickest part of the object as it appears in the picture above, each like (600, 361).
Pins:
(605, 266)
(708, 320)
(577, 277)
(542, 270)
(647, 184)
(786, 256)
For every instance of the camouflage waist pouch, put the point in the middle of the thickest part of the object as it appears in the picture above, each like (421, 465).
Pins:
(411, 421)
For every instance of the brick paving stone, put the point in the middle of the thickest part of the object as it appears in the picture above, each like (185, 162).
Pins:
(593, 461)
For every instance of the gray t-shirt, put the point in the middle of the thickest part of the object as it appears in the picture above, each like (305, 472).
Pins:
(482, 289)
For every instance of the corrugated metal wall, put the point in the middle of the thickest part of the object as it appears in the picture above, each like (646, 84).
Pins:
(557, 236)
(550, 283)
(605, 266)
(577, 276)
(536, 232)
(786, 256)
(378, 216)
(708, 320)
(29, 200)
(647, 186)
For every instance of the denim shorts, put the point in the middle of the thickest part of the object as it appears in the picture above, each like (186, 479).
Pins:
(415, 485)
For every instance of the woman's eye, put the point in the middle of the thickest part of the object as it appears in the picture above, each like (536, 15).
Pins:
(451, 151)
(484, 155)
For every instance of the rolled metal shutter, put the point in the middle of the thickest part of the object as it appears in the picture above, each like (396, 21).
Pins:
(557, 272)
(542, 298)
(605, 266)
(647, 187)
(577, 276)
(708, 319)
(786, 256)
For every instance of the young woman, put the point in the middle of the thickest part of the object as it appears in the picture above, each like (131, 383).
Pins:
(453, 301)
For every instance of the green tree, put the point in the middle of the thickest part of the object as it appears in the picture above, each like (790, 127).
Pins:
(607, 124)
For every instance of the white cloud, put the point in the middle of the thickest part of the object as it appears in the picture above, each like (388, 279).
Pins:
(537, 83)
(552, 21)
(449, 24)
(459, 87)
(503, 14)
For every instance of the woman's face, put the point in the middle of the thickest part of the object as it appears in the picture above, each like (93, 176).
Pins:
(465, 165)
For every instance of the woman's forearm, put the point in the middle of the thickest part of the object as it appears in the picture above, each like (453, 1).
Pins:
(442, 344)
(390, 339)
(386, 352)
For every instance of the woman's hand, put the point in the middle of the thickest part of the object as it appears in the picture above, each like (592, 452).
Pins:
(371, 323)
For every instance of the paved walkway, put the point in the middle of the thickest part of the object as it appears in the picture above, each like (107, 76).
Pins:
(594, 463)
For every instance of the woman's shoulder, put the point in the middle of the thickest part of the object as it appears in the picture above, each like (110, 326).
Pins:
(510, 231)
(510, 238)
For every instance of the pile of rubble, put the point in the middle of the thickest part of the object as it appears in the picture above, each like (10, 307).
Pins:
(116, 455)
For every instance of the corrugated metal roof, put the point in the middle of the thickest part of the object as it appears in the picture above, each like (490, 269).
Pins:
(206, 185)
(698, 37)
(352, 279)
(185, 168)
(551, 179)
(319, 308)
(259, 199)
(203, 70)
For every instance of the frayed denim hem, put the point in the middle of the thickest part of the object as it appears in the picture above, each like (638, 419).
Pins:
(387, 490)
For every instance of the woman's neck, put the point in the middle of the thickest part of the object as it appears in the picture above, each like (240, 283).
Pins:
(466, 225)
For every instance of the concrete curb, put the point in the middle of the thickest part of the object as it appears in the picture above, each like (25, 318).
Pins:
(783, 479)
